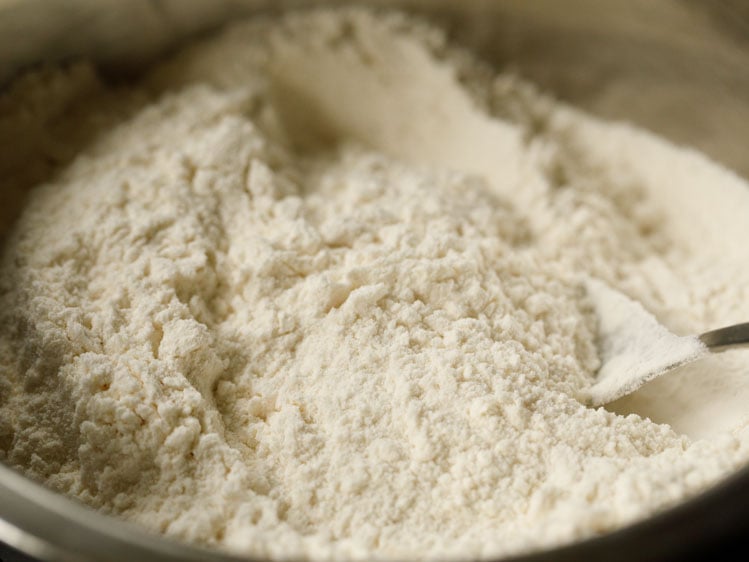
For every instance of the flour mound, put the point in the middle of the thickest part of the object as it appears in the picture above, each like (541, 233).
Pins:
(317, 294)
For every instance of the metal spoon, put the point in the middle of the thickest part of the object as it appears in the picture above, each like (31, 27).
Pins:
(635, 348)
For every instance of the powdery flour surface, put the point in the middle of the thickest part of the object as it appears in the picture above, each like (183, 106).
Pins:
(313, 288)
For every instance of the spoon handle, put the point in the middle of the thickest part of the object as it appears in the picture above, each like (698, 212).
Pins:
(726, 338)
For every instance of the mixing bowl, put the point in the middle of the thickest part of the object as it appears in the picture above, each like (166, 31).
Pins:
(679, 68)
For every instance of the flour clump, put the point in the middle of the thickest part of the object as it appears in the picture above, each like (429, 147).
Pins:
(312, 288)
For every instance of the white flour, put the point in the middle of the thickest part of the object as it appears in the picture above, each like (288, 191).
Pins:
(633, 346)
(318, 294)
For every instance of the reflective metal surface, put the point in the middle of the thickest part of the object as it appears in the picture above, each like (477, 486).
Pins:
(677, 67)
(730, 337)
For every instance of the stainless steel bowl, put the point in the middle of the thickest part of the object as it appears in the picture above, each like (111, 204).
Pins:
(680, 68)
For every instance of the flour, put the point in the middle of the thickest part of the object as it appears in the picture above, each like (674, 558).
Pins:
(317, 294)
(633, 346)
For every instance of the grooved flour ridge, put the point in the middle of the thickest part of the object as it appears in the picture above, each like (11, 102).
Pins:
(313, 288)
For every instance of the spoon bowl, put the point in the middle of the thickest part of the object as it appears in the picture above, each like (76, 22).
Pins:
(635, 348)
